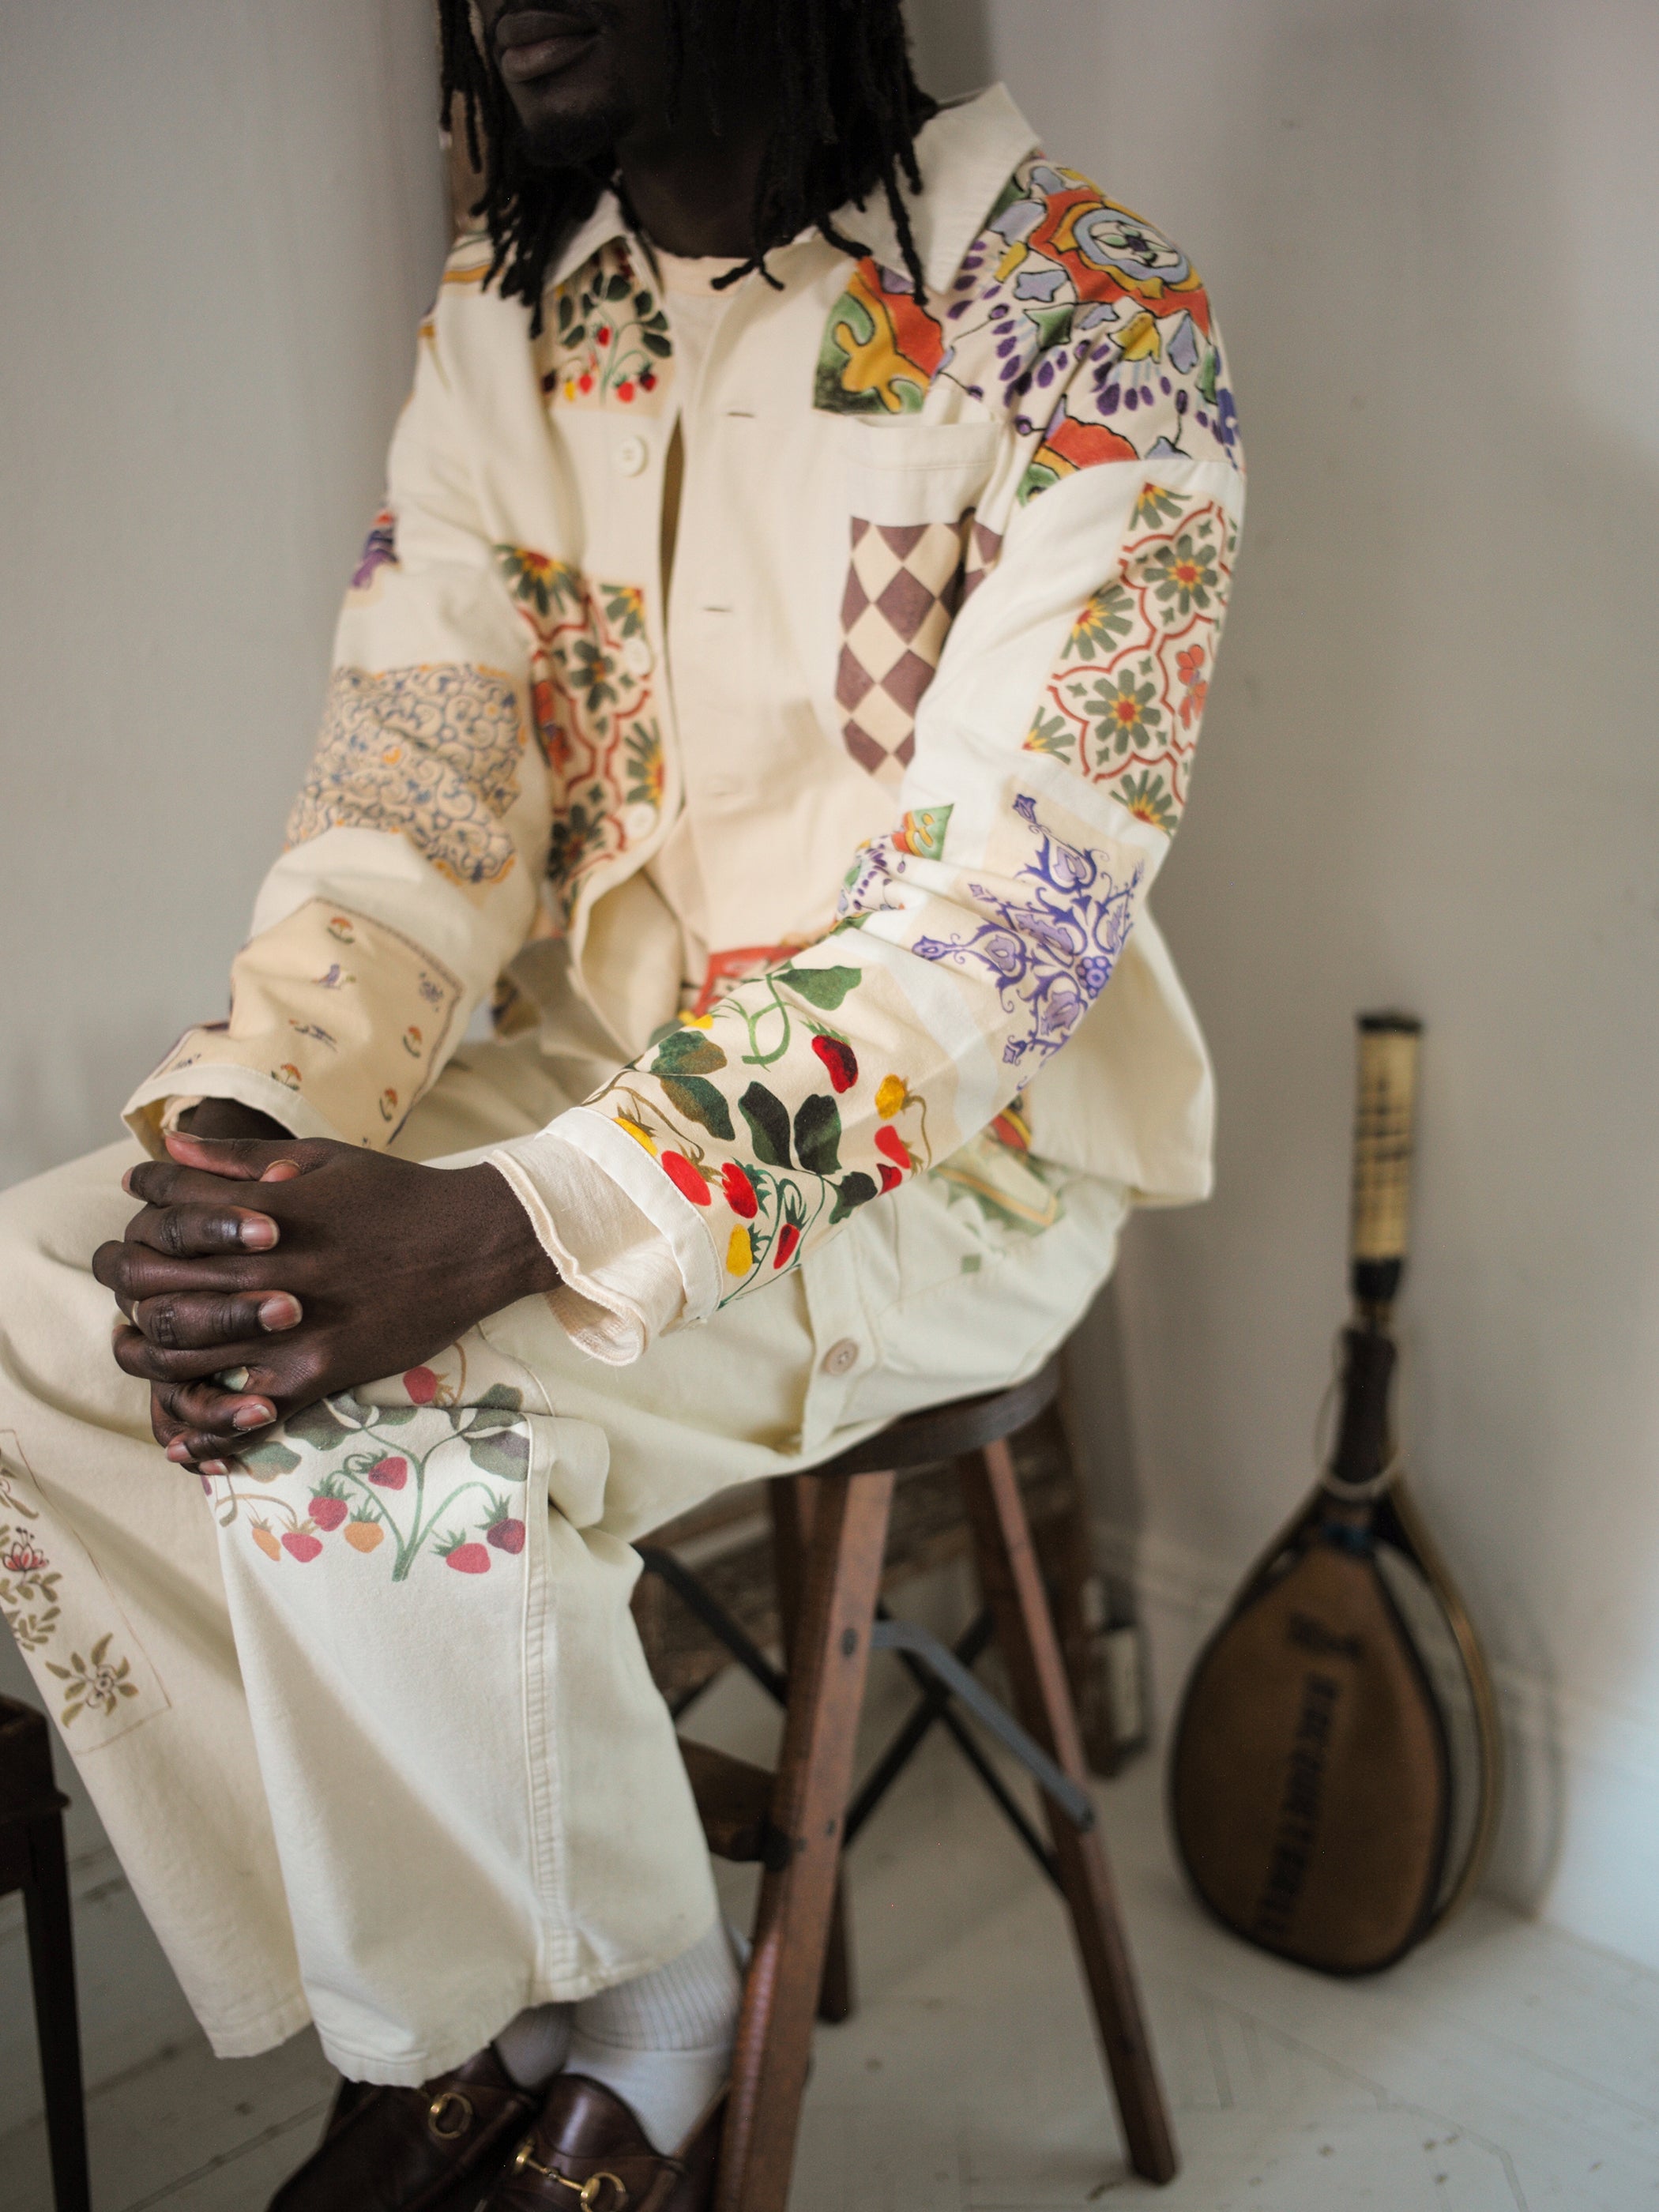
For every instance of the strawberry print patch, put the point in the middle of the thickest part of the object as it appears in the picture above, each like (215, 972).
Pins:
(434, 1484)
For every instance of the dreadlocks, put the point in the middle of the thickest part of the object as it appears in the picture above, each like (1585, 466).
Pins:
(849, 111)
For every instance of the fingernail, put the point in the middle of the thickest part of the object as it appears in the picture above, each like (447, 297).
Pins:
(214, 1466)
(178, 1451)
(252, 1416)
(259, 1232)
(280, 1311)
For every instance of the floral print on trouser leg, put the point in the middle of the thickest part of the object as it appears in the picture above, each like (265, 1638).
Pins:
(424, 1611)
(432, 1475)
(96, 1678)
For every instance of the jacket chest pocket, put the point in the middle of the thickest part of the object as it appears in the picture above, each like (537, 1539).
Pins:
(916, 552)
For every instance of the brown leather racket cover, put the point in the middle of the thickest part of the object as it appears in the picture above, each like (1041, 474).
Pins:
(1310, 1781)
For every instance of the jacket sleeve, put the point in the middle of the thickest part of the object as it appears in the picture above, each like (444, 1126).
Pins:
(416, 847)
(1050, 771)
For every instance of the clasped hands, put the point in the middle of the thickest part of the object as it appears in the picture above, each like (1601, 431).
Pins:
(314, 1266)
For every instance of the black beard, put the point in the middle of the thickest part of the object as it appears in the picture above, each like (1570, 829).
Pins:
(582, 142)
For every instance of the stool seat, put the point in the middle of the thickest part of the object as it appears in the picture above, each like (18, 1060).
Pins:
(948, 1432)
(830, 1529)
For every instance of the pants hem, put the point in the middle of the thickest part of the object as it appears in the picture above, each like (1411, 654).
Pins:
(481, 2022)
(247, 2038)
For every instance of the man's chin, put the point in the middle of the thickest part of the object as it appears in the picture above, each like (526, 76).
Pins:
(560, 135)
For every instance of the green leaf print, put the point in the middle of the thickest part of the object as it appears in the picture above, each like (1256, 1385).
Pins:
(316, 1425)
(852, 1191)
(1106, 618)
(269, 1458)
(688, 1052)
(504, 1454)
(699, 1102)
(822, 987)
(1052, 733)
(769, 1125)
(502, 1395)
(1054, 325)
(817, 1135)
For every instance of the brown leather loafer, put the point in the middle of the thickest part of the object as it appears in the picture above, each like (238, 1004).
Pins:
(437, 2148)
(587, 2150)
(347, 2097)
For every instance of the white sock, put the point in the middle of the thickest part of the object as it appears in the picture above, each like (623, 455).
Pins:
(534, 2044)
(663, 2042)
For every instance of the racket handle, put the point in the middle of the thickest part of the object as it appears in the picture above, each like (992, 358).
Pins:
(1383, 1133)
(1362, 1437)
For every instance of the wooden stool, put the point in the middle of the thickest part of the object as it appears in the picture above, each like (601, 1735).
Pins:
(32, 1860)
(830, 1529)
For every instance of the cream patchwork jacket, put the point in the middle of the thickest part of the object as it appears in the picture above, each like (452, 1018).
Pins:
(917, 707)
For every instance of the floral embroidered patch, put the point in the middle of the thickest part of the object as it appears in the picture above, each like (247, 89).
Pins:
(593, 697)
(1048, 943)
(994, 1178)
(1123, 704)
(29, 1595)
(881, 348)
(314, 991)
(742, 1107)
(607, 341)
(429, 753)
(732, 965)
(1068, 312)
(91, 1668)
(921, 832)
(379, 551)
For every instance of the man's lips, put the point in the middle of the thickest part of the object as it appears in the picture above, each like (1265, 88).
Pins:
(534, 42)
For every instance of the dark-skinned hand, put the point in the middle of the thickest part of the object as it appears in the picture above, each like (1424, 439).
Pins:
(351, 1266)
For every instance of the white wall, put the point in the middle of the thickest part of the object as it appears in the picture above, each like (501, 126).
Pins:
(1429, 778)
(221, 224)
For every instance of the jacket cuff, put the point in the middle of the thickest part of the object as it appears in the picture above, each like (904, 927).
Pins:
(183, 1079)
(622, 1281)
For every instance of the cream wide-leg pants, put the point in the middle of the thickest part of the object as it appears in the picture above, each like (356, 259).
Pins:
(369, 1723)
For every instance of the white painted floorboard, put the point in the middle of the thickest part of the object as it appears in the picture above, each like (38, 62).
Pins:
(1505, 2068)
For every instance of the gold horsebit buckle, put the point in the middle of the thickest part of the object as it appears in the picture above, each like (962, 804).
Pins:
(593, 2193)
(448, 2116)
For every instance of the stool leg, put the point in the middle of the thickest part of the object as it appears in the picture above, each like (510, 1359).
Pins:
(1025, 1632)
(52, 1966)
(836, 1996)
(791, 1500)
(1065, 1548)
(815, 1771)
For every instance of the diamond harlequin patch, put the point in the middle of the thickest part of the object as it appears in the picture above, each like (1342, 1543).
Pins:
(904, 585)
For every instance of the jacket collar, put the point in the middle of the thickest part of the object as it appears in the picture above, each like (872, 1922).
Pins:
(965, 154)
